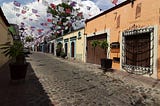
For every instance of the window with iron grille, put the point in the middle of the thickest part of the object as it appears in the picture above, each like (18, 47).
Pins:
(137, 51)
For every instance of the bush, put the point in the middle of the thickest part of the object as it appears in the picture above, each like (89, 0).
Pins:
(63, 55)
(58, 51)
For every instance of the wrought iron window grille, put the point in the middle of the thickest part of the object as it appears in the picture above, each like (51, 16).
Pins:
(134, 68)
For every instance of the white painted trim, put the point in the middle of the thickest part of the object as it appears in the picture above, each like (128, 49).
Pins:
(155, 66)
(108, 39)
(155, 58)
(52, 41)
(121, 51)
(85, 45)
(98, 33)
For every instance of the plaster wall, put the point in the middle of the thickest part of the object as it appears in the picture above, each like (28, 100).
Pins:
(125, 17)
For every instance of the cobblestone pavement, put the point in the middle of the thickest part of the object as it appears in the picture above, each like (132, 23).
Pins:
(71, 83)
(53, 81)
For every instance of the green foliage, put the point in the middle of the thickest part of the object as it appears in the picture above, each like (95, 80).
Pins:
(59, 46)
(63, 54)
(59, 49)
(52, 11)
(29, 39)
(12, 50)
(95, 43)
(104, 44)
(63, 18)
(12, 30)
(64, 5)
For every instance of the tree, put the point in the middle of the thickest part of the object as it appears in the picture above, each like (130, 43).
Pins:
(65, 17)
(29, 39)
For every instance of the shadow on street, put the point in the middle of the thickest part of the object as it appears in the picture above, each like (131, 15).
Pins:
(28, 92)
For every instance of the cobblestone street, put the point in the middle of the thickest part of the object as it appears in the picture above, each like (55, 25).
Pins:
(70, 83)
(61, 82)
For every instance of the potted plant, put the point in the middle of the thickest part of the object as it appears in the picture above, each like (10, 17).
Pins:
(18, 64)
(106, 63)
(95, 43)
(63, 54)
(59, 49)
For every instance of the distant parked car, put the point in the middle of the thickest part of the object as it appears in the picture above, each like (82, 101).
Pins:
(26, 50)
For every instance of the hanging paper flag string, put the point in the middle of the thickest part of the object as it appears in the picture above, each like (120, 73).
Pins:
(25, 8)
(34, 11)
(17, 3)
(68, 11)
(88, 7)
(53, 6)
(37, 15)
(44, 24)
(32, 28)
(73, 4)
(17, 14)
(63, 15)
(80, 15)
(31, 19)
(114, 2)
(22, 24)
(23, 11)
(49, 20)
(25, 18)
(40, 30)
(49, 14)
(17, 9)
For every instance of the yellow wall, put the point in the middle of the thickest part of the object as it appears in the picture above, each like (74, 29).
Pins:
(150, 16)
(80, 51)
(4, 37)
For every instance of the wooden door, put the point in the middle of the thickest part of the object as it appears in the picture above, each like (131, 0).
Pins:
(94, 54)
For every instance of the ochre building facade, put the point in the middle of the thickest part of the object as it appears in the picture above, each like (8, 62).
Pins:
(5, 36)
(135, 25)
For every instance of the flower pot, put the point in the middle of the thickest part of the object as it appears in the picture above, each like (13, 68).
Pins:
(18, 71)
(106, 63)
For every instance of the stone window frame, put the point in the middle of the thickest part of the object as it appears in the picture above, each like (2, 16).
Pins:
(132, 33)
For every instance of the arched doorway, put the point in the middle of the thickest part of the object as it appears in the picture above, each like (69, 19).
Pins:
(72, 49)
(52, 47)
(66, 48)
